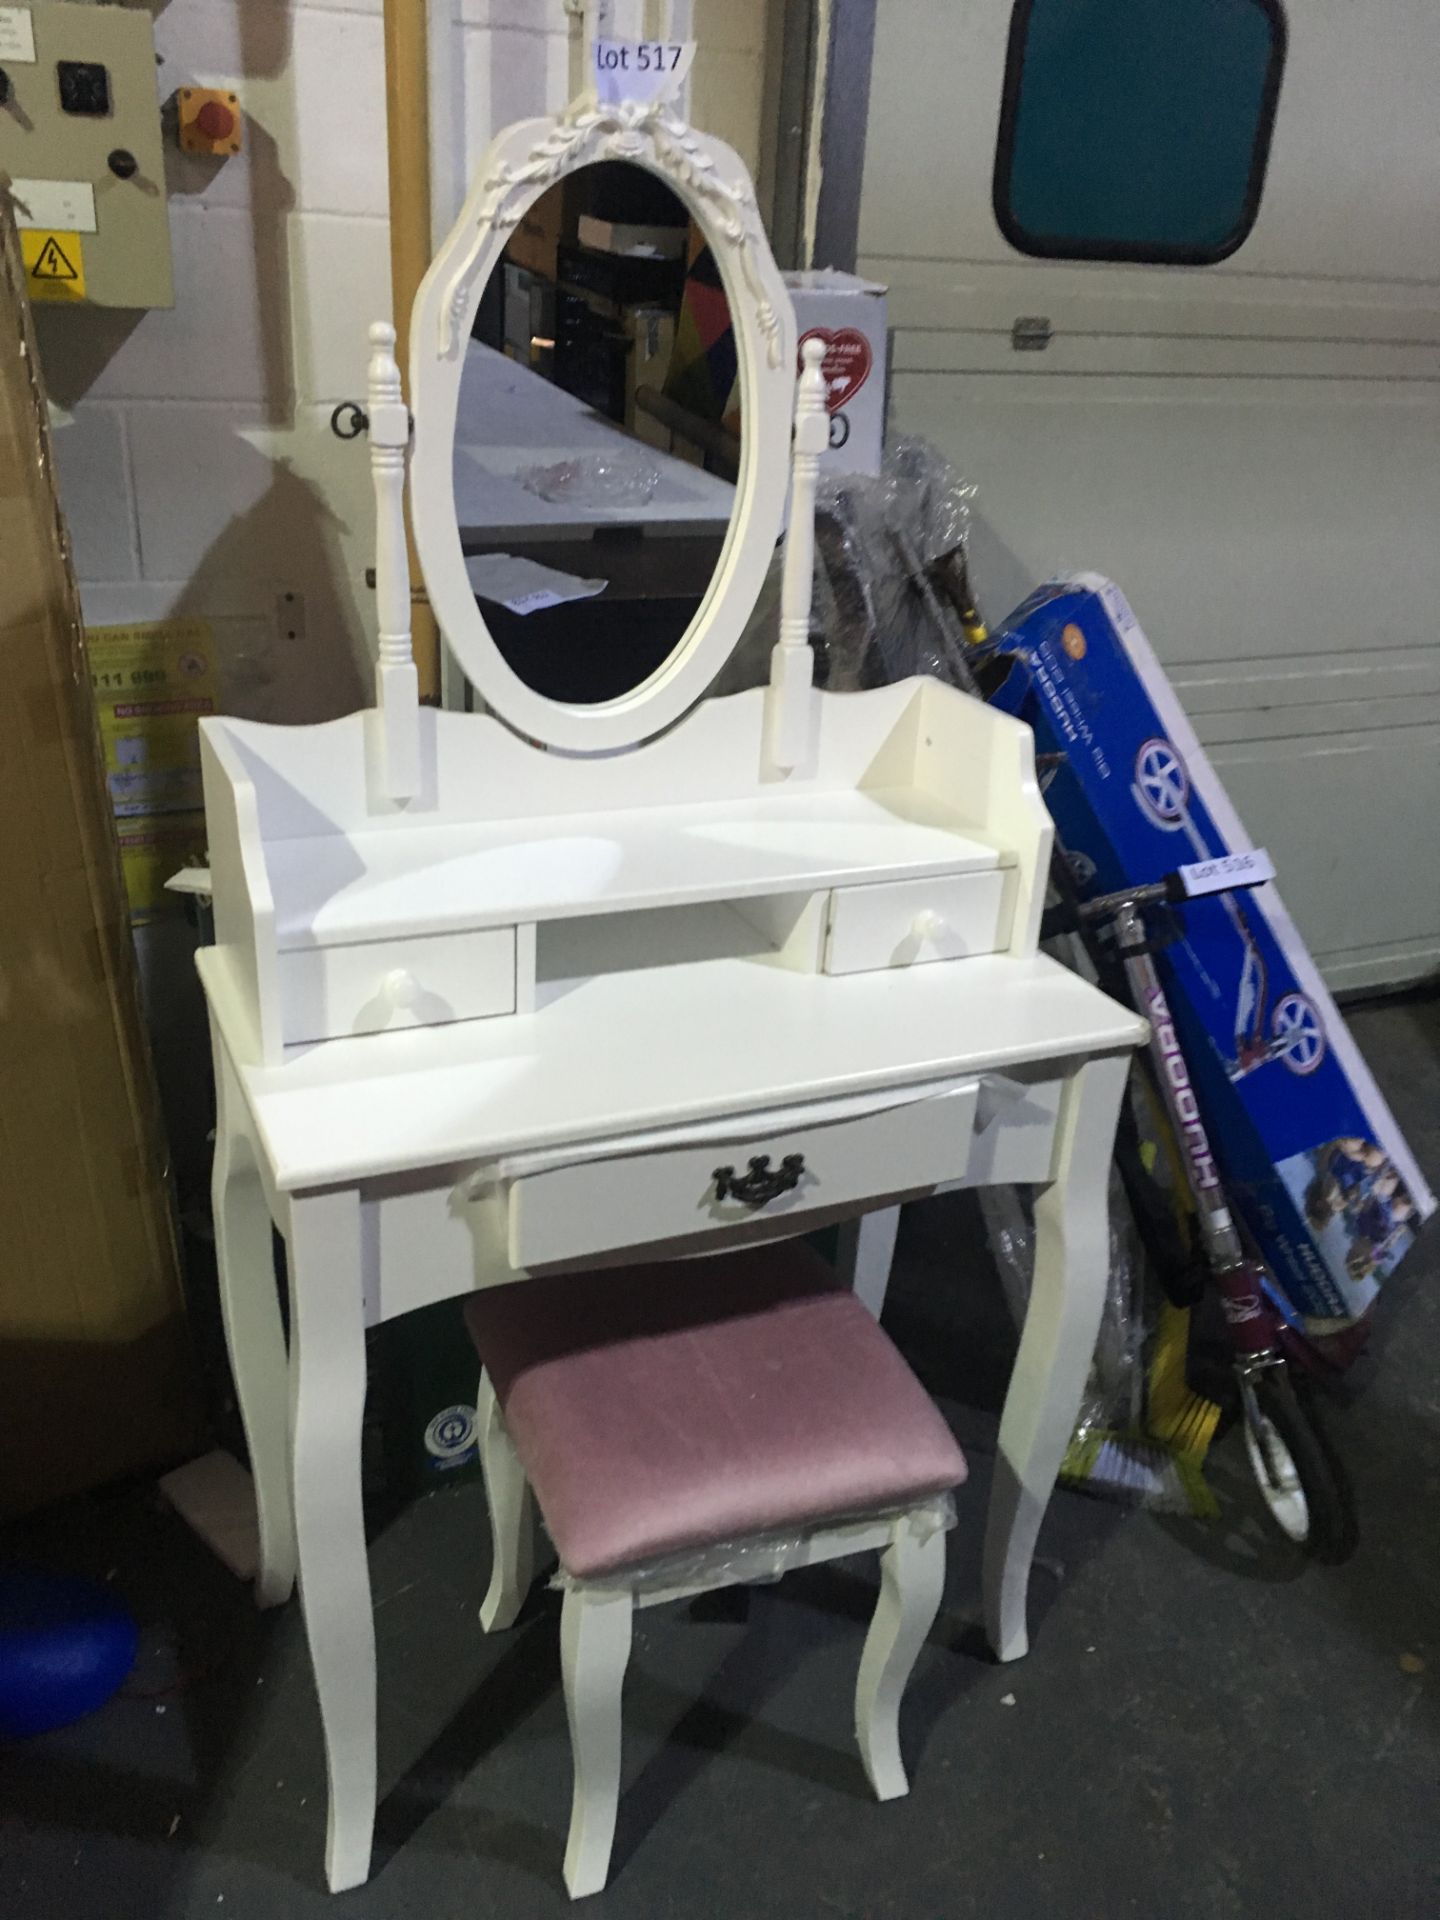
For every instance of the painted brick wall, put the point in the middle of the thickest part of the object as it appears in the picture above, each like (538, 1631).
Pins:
(197, 470)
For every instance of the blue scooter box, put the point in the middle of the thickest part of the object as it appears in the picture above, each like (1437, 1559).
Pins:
(1316, 1167)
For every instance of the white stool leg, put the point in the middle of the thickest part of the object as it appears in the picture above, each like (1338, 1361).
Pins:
(512, 1521)
(594, 1652)
(912, 1577)
(865, 1254)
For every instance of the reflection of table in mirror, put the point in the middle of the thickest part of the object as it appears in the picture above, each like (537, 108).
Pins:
(510, 418)
(656, 559)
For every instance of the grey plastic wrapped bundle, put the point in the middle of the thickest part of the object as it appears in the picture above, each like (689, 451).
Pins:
(890, 574)
(882, 543)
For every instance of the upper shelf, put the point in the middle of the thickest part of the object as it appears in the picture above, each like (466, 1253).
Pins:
(332, 890)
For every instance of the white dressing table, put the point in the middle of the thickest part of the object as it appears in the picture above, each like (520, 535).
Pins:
(493, 996)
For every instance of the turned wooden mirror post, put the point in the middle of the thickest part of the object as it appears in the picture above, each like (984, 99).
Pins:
(396, 736)
(790, 719)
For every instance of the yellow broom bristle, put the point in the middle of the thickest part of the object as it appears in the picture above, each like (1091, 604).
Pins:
(1180, 1417)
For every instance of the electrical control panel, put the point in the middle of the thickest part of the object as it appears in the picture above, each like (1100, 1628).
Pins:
(80, 138)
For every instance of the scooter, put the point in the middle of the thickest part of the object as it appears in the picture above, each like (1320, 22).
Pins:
(1304, 1492)
(1303, 1489)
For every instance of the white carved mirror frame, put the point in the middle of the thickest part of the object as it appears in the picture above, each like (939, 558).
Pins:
(714, 185)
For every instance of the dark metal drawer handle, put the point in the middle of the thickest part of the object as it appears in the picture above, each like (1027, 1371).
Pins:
(763, 1183)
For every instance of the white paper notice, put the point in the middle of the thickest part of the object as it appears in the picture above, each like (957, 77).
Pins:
(1231, 870)
(524, 586)
(641, 69)
(17, 35)
(47, 206)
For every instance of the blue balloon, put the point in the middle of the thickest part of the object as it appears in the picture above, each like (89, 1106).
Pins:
(66, 1645)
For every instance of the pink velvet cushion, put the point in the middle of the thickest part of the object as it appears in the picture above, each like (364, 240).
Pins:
(679, 1405)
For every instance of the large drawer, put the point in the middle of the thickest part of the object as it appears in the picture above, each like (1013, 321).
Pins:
(901, 922)
(665, 1187)
(420, 981)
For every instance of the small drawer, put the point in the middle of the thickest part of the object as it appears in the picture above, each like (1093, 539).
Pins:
(327, 992)
(869, 1146)
(947, 918)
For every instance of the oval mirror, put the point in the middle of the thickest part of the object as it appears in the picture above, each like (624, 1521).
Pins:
(601, 364)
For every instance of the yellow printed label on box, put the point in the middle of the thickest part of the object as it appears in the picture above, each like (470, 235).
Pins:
(152, 685)
(153, 848)
(54, 264)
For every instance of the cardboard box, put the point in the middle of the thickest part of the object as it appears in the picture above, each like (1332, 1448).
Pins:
(1315, 1164)
(152, 683)
(542, 227)
(848, 314)
(95, 1371)
(631, 238)
(528, 316)
(651, 333)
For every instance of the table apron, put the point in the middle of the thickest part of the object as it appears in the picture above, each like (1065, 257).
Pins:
(440, 1232)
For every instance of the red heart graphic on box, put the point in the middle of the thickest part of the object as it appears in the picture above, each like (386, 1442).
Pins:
(846, 365)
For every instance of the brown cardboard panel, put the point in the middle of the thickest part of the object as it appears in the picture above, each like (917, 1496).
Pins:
(55, 983)
(95, 1371)
(62, 1392)
(535, 241)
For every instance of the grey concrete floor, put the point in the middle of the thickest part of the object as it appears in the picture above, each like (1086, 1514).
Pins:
(1206, 1726)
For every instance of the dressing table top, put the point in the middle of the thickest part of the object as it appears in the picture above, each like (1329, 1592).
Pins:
(627, 1050)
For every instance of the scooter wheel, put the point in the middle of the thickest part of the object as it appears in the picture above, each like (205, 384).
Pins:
(1300, 1481)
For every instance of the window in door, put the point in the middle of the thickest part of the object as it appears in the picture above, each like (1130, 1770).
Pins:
(1137, 129)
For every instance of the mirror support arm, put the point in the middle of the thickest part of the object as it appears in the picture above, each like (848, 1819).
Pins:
(396, 765)
(792, 665)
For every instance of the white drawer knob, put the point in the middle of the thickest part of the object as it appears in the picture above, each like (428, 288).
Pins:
(928, 925)
(400, 987)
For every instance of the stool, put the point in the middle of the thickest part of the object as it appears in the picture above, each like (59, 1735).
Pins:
(692, 1425)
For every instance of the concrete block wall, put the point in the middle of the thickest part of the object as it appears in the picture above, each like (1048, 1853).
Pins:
(197, 469)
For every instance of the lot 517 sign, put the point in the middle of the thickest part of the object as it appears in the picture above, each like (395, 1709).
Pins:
(641, 69)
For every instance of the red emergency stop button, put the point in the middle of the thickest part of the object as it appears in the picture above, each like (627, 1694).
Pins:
(209, 121)
(215, 120)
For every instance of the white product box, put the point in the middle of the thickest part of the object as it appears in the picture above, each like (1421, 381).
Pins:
(848, 314)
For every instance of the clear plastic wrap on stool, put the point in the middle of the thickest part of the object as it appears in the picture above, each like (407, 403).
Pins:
(763, 1558)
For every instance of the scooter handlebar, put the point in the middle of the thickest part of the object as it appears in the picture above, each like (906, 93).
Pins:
(1169, 891)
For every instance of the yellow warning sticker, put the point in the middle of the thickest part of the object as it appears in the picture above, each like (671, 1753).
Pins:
(54, 265)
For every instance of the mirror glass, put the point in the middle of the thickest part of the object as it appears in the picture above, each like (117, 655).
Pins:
(1131, 131)
(597, 437)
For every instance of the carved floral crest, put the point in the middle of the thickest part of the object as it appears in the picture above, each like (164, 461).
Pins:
(635, 130)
